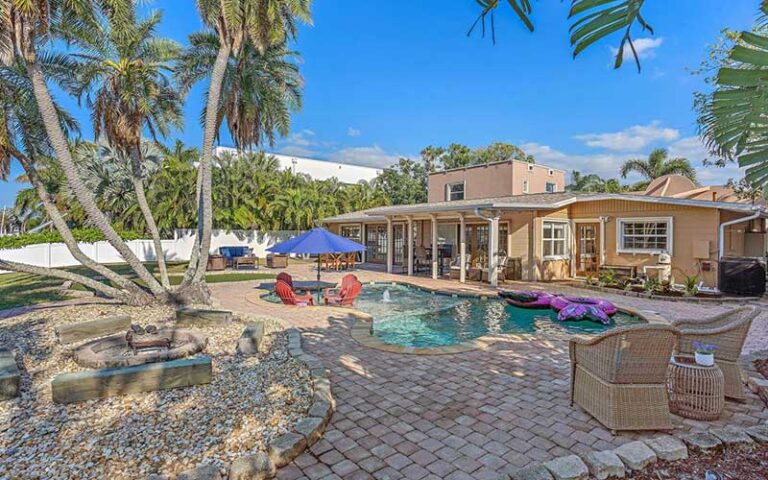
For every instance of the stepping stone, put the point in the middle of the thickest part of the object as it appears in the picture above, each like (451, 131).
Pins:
(10, 377)
(701, 442)
(567, 468)
(603, 465)
(532, 472)
(636, 455)
(204, 472)
(668, 448)
(75, 332)
(251, 340)
(107, 382)
(732, 436)
(252, 467)
(759, 433)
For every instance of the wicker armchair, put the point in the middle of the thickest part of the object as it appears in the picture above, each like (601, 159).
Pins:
(619, 377)
(727, 331)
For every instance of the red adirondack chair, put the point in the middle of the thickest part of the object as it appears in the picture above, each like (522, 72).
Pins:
(289, 297)
(335, 293)
(282, 276)
(346, 297)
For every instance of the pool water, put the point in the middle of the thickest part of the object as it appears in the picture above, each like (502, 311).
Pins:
(413, 317)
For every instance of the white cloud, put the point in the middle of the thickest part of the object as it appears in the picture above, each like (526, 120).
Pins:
(632, 138)
(353, 132)
(695, 151)
(374, 156)
(604, 164)
(645, 48)
(302, 138)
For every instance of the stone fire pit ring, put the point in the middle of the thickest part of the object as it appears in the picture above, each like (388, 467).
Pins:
(114, 351)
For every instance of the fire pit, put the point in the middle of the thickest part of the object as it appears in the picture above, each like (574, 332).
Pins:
(125, 350)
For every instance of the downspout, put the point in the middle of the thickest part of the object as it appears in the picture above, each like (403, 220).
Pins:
(757, 214)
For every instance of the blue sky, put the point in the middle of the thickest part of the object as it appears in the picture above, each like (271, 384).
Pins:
(385, 79)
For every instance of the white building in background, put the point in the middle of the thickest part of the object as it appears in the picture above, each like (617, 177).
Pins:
(318, 169)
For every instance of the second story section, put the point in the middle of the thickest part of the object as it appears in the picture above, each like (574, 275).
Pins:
(501, 179)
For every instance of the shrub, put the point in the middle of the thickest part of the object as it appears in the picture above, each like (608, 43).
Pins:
(651, 284)
(85, 235)
(691, 284)
(607, 278)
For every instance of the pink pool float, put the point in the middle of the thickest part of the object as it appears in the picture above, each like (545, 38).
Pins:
(527, 299)
(583, 311)
(559, 303)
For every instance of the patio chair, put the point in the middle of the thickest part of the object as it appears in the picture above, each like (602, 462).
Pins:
(347, 296)
(454, 270)
(727, 331)
(620, 376)
(421, 259)
(289, 297)
(284, 277)
(338, 291)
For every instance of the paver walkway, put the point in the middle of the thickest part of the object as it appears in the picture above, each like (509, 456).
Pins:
(474, 415)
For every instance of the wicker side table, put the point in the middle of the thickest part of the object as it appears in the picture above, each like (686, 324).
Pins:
(695, 391)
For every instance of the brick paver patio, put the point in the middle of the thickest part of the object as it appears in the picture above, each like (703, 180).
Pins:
(474, 415)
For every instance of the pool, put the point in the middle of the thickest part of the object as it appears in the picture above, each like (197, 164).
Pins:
(412, 317)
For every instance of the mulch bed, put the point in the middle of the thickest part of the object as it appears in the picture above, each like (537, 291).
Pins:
(731, 464)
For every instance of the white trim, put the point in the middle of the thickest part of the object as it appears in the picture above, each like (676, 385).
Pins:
(620, 235)
(567, 239)
(448, 186)
(526, 187)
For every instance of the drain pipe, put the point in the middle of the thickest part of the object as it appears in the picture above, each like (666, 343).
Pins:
(757, 214)
(493, 247)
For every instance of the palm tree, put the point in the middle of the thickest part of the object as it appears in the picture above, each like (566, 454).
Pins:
(260, 89)
(25, 29)
(124, 76)
(657, 165)
(174, 204)
(585, 183)
(235, 22)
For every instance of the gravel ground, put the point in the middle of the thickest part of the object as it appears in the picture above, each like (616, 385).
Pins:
(250, 400)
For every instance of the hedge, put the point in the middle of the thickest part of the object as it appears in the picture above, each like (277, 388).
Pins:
(85, 235)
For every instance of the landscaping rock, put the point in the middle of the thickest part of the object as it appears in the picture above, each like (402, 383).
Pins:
(75, 332)
(668, 448)
(636, 455)
(251, 340)
(10, 377)
(312, 428)
(187, 316)
(603, 465)
(701, 441)
(252, 467)
(203, 472)
(732, 436)
(759, 433)
(567, 468)
(532, 472)
(285, 448)
(321, 409)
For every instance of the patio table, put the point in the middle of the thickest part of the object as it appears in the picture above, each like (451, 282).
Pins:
(695, 391)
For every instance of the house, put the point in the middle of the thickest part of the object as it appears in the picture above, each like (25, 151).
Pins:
(318, 169)
(543, 233)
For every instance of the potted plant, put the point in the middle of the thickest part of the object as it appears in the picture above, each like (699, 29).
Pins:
(704, 353)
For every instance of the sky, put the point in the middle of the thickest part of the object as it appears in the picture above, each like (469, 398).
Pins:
(385, 79)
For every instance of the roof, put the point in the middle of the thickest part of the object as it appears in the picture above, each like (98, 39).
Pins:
(535, 201)
(320, 169)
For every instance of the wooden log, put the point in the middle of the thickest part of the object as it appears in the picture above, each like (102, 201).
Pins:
(251, 340)
(202, 317)
(80, 386)
(75, 332)
(10, 377)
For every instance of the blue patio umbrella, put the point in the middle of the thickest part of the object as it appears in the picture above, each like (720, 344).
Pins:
(315, 242)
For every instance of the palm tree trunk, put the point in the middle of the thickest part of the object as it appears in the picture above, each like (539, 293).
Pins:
(66, 234)
(59, 142)
(141, 199)
(195, 253)
(66, 275)
(209, 135)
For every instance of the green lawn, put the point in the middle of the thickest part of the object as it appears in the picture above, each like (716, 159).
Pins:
(18, 289)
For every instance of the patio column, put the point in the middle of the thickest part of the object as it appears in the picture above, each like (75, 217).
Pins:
(409, 237)
(389, 245)
(493, 251)
(462, 250)
(435, 251)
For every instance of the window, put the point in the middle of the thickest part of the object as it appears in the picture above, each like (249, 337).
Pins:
(525, 186)
(530, 167)
(555, 238)
(551, 172)
(644, 235)
(454, 191)
(352, 232)
(550, 187)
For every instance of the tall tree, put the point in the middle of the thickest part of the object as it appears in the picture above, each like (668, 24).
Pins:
(265, 23)
(657, 165)
(124, 76)
(501, 152)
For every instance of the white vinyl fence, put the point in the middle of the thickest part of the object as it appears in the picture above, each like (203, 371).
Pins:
(56, 255)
